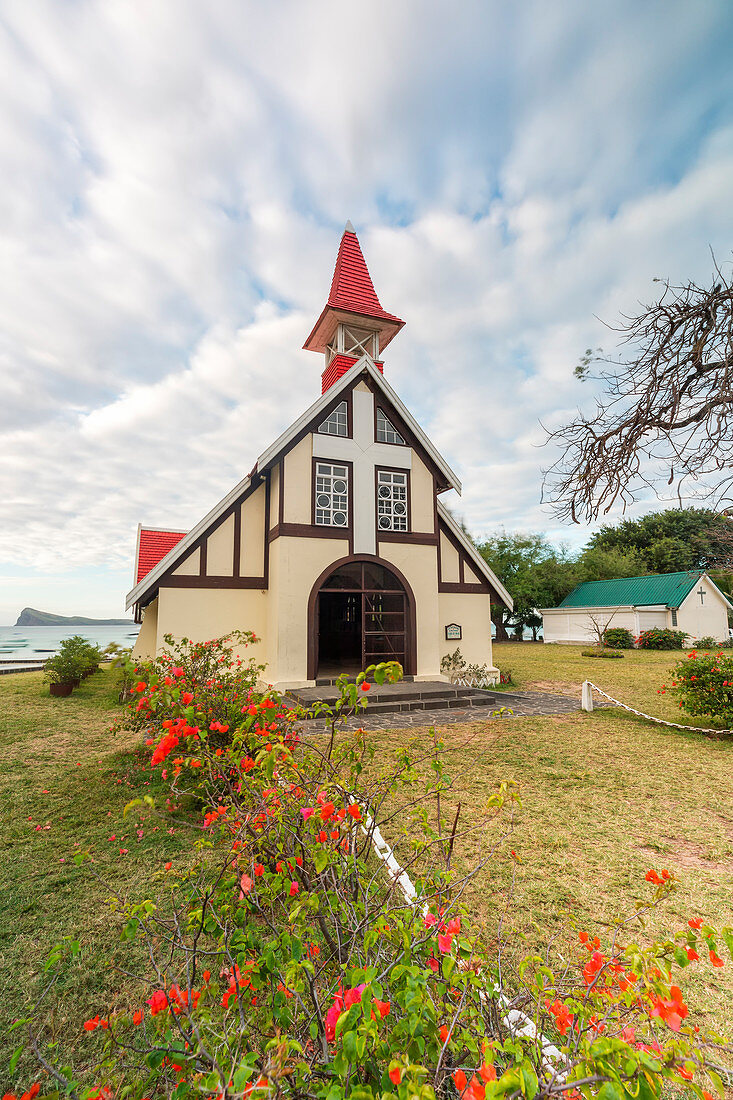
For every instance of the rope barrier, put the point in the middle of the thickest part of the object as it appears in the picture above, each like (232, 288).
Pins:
(649, 717)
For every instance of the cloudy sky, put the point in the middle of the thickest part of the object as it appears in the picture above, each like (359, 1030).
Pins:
(176, 175)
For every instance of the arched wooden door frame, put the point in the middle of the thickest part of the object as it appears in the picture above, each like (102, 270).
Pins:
(410, 641)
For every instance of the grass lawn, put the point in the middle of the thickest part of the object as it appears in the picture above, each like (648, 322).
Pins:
(61, 769)
(605, 797)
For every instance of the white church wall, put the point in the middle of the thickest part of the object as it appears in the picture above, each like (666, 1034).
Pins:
(422, 496)
(699, 620)
(297, 481)
(190, 566)
(419, 564)
(473, 616)
(205, 613)
(449, 561)
(274, 496)
(295, 566)
(220, 550)
(145, 643)
(252, 544)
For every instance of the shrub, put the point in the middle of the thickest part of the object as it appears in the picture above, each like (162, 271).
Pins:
(618, 637)
(454, 665)
(288, 960)
(601, 653)
(657, 638)
(704, 684)
(75, 658)
(708, 642)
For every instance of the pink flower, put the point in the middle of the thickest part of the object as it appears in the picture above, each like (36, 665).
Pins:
(307, 811)
(444, 943)
(294, 888)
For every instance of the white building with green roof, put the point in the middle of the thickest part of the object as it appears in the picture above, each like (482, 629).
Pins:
(687, 601)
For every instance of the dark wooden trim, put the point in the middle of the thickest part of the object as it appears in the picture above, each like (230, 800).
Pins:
(416, 538)
(308, 531)
(214, 582)
(410, 439)
(411, 639)
(204, 554)
(237, 540)
(401, 536)
(452, 586)
(281, 490)
(347, 531)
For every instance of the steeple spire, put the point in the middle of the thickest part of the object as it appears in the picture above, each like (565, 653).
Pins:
(353, 322)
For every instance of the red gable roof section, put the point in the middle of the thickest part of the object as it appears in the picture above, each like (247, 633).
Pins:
(352, 287)
(152, 547)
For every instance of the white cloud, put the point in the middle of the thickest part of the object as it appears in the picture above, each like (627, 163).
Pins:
(176, 177)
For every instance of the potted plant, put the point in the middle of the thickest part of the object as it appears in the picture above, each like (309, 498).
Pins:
(64, 670)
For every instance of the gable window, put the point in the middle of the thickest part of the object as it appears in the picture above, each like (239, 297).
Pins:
(391, 500)
(332, 495)
(386, 432)
(674, 617)
(337, 422)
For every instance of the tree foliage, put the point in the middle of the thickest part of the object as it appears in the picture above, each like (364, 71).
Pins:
(672, 541)
(665, 410)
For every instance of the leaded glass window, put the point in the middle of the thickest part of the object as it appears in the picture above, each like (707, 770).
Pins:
(391, 500)
(386, 432)
(332, 494)
(337, 422)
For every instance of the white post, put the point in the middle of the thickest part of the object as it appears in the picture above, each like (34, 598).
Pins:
(586, 699)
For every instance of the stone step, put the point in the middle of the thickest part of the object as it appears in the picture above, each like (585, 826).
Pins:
(417, 695)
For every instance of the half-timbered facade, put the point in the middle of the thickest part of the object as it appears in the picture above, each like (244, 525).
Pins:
(336, 549)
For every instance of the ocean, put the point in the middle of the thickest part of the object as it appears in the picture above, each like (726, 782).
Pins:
(26, 644)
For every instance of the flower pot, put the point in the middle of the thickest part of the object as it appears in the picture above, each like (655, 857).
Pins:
(75, 682)
(62, 689)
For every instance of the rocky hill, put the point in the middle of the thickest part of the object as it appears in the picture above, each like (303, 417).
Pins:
(30, 617)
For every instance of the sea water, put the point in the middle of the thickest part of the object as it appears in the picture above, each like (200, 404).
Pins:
(36, 643)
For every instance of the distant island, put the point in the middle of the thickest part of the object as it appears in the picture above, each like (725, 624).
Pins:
(30, 617)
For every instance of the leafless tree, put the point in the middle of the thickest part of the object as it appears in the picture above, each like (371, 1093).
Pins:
(665, 413)
(599, 624)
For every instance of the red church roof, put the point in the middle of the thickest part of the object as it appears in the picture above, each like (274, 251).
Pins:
(352, 291)
(152, 546)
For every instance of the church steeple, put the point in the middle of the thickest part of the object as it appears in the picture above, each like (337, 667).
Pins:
(352, 322)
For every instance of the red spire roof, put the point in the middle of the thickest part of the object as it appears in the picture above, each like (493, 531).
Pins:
(352, 291)
(152, 546)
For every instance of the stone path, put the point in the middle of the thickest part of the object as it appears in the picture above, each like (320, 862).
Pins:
(522, 704)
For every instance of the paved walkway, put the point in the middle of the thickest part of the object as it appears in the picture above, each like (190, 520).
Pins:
(522, 704)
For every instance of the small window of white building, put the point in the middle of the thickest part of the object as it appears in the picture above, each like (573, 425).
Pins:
(331, 495)
(386, 432)
(337, 422)
(391, 500)
(674, 617)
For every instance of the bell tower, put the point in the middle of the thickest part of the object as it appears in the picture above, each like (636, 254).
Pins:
(352, 322)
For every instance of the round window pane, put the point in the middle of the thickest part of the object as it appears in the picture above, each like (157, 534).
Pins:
(399, 508)
(323, 501)
(339, 518)
(384, 490)
(339, 486)
(384, 522)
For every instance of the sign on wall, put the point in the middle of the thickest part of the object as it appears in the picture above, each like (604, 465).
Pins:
(453, 632)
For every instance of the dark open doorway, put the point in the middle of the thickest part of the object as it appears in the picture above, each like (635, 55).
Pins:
(362, 617)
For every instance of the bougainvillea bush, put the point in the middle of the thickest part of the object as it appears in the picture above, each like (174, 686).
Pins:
(704, 684)
(657, 638)
(293, 957)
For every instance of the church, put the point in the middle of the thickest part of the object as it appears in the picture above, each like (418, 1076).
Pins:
(336, 549)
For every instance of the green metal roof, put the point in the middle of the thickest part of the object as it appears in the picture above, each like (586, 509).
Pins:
(668, 589)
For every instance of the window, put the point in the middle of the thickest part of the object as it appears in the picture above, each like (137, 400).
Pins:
(332, 495)
(337, 422)
(674, 618)
(386, 433)
(391, 500)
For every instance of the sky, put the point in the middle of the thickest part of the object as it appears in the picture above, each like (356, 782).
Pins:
(176, 176)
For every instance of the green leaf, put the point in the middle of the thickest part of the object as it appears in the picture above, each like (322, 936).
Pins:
(609, 1091)
(16, 1058)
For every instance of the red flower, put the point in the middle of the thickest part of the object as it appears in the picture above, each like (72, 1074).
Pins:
(259, 870)
(187, 698)
(294, 888)
(383, 1007)
(355, 811)
(91, 1025)
(692, 955)
(395, 1074)
(460, 1080)
(137, 1017)
(443, 1032)
(365, 686)
(168, 866)
(715, 959)
(696, 923)
(326, 810)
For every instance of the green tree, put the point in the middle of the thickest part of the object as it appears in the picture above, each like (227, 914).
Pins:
(535, 573)
(672, 541)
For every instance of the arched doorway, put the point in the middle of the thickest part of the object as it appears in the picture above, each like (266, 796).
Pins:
(360, 612)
